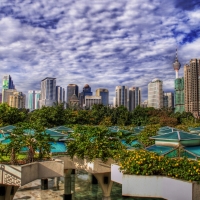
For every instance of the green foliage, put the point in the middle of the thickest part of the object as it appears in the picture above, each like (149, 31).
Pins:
(149, 131)
(10, 115)
(141, 162)
(31, 136)
(94, 142)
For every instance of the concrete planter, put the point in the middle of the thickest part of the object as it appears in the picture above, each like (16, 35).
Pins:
(155, 186)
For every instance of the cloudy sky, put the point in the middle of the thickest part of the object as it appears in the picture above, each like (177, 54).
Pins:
(104, 43)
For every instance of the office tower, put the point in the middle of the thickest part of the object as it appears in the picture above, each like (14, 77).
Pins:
(86, 91)
(192, 87)
(6, 95)
(31, 100)
(168, 100)
(104, 93)
(91, 100)
(17, 100)
(121, 95)
(134, 98)
(37, 98)
(63, 95)
(179, 95)
(59, 94)
(48, 92)
(71, 89)
(0, 97)
(155, 94)
(176, 65)
(114, 102)
(7, 84)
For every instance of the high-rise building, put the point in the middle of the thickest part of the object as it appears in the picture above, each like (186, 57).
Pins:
(168, 100)
(134, 98)
(31, 100)
(37, 98)
(192, 87)
(64, 95)
(6, 95)
(155, 94)
(7, 84)
(48, 92)
(91, 100)
(17, 100)
(104, 93)
(59, 94)
(114, 102)
(179, 95)
(121, 96)
(0, 97)
(86, 91)
(71, 89)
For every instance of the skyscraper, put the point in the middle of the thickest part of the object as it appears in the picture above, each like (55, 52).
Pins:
(37, 98)
(155, 94)
(86, 91)
(104, 93)
(48, 92)
(179, 95)
(59, 94)
(7, 84)
(71, 89)
(134, 98)
(64, 95)
(31, 100)
(168, 100)
(192, 87)
(121, 94)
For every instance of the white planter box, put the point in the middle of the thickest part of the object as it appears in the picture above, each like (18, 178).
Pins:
(155, 186)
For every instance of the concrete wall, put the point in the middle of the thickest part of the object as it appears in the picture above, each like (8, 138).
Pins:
(116, 175)
(39, 170)
(97, 166)
(155, 186)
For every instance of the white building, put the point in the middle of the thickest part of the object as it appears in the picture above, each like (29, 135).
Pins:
(91, 100)
(48, 92)
(155, 94)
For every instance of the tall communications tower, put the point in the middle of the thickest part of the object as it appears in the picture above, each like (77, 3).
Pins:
(176, 65)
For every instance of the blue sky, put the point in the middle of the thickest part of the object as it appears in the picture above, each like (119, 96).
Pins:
(104, 43)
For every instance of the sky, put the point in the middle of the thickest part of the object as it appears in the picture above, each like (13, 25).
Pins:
(103, 43)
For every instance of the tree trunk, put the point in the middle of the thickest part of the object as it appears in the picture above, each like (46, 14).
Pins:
(12, 157)
(30, 154)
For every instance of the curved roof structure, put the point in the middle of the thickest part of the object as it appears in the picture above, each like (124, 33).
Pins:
(86, 86)
(176, 135)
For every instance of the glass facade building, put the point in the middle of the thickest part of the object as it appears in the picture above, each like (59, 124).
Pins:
(71, 89)
(104, 94)
(48, 92)
(121, 96)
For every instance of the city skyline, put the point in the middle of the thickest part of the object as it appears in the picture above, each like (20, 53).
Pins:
(101, 43)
